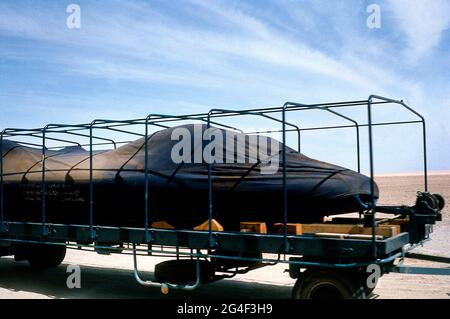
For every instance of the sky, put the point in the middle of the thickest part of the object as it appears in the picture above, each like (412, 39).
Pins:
(132, 58)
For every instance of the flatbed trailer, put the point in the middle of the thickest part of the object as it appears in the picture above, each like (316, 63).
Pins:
(326, 262)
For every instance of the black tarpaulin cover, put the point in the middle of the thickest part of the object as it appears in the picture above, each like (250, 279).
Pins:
(178, 193)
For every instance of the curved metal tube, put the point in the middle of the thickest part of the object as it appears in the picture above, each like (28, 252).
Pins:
(355, 123)
(96, 137)
(268, 117)
(210, 205)
(290, 124)
(150, 283)
(424, 133)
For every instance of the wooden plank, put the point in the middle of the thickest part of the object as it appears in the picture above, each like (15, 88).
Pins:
(402, 221)
(292, 229)
(385, 231)
(348, 236)
(215, 226)
(253, 227)
(162, 225)
(396, 228)
(357, 220)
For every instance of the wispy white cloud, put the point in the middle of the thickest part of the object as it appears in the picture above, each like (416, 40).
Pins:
(423, 22)
(159, 48)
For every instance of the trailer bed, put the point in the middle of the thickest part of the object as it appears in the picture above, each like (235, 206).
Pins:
(306, 244)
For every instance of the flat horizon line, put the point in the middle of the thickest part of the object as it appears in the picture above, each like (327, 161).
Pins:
(430, 173)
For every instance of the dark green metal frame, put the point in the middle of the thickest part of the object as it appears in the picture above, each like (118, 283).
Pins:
(344, 250)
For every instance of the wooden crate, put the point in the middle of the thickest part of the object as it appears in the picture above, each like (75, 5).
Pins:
(382, 230)
(162, 225)
(292, 229)
(253, 227)
(327, 228)
(215, 226)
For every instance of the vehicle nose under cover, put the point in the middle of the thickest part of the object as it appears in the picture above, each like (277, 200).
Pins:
(178, 192)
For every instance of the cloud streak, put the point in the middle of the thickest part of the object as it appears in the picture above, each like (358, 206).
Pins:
(159, 48)
(423, 22)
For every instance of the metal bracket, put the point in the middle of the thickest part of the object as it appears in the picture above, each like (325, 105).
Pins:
(94, 234)
(148, 237)
(45, 230)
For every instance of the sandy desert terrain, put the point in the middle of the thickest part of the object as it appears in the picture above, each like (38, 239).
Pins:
(111, 276)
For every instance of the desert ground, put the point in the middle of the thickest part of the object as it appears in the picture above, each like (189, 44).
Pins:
(111, 276)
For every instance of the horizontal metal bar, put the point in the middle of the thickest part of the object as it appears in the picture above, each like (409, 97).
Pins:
(420, 270)
(439, 259)
(121, 131)
(198, 116)
(336, 127)
(171, 253)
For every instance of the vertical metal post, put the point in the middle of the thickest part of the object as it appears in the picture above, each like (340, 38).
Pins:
(424, 134)
(91, 185)
(147, 233)
(43, 185)
(372, 186)
(425, 162)
(285, 197)
(358, 149)
(210, 188)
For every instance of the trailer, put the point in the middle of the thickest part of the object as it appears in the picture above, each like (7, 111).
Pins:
(335, 258)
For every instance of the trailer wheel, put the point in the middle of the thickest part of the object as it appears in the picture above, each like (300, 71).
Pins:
(368, 291)
(42, 256)
(326, 284)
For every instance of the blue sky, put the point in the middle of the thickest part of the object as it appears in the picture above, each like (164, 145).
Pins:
(132, 58)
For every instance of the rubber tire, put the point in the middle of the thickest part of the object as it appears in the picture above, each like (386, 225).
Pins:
(183, 271)
(363, 281)
(42, 256)
(441, 201)
(368, 291)
(328, 284)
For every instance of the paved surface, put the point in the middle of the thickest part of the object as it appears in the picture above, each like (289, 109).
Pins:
(111, 276)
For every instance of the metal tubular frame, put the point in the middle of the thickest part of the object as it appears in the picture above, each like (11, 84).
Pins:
(150, 283)
(372, 169)
(210, 205)
(160, 119)
(147, 122)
